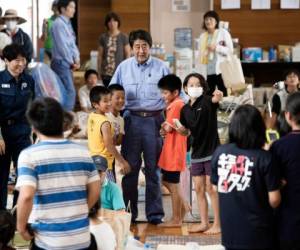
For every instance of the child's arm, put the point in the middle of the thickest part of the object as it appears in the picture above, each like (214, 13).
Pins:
(217, 96)
(109, 144)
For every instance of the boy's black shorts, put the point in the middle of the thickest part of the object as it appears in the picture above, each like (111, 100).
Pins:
(170, 176)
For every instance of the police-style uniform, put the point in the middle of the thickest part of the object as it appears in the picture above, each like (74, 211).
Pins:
(15, 95)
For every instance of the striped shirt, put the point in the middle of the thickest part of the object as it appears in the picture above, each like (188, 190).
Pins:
(59, 170)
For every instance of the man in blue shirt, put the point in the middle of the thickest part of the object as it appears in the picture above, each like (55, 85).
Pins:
(65, 54)
(16, 91)
(139, 76)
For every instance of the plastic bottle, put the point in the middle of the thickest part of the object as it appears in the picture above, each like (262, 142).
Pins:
(94, 59)
(148, 247)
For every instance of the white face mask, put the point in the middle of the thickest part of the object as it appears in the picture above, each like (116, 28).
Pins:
(195, 92)
(11, 25)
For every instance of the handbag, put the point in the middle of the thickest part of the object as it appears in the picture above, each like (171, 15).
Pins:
(120, 223)
(232, 73)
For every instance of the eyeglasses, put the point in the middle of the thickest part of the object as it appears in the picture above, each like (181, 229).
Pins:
(141, 46)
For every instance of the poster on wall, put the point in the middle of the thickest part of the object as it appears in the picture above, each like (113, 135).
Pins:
(230, 4)
(260, 4)
(181, 5)
(289, 4)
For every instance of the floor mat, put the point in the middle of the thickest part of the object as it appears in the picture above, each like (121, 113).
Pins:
(154, 240)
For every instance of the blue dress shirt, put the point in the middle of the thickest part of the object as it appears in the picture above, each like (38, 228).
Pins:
(64, 41)
(140, 83)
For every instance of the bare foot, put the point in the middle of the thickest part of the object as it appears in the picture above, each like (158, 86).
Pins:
(215, 229)
(198, 228)
(171, 223)
(185, 208)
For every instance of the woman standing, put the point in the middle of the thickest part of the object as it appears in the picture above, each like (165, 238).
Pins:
(16, 91)
(215, 45)
(113, 48)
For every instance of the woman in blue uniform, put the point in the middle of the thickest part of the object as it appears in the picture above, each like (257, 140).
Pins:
(16, 91)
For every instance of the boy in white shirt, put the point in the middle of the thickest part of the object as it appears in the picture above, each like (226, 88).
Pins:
(117, 104)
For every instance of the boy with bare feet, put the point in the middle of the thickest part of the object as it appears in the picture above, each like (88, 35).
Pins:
(172, 159)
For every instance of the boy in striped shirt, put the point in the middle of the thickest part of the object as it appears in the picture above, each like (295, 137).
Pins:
(58, 183)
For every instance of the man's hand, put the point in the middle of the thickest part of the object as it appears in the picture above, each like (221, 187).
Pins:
(75, 66)
(125, 167)
(217, 96)
(2, 147)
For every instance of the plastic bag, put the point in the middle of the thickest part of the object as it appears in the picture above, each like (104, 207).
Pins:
(47, 83)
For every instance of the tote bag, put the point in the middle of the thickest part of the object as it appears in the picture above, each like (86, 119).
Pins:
(232, 73)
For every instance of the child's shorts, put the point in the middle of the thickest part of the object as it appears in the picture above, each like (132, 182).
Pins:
(170, 176)
(201, 168)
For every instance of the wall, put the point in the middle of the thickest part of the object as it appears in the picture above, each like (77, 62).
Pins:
(164, 21)
(262, 28)
(91, 14)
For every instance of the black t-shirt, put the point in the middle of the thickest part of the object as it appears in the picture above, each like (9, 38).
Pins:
(244, 178)
(286, 152)
(201, 120)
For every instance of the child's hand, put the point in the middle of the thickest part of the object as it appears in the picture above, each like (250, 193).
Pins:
(125, 167)
(183, 131)
(217, 96)
(166, 127)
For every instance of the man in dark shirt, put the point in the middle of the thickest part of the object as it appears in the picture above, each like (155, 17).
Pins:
(18, 36)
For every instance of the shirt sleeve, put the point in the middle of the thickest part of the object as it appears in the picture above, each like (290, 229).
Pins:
(272, 174)
(58, 32)
(102, 40)
(117, 198)
(27, 175)
(83, 99)
(276, 104)
(227, 47)
(174, 113)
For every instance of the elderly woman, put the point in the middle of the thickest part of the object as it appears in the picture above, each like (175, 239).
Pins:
(113, 48)
(215, 45)
(16, 91)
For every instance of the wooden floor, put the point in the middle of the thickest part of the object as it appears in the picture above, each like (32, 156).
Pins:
(142, 230)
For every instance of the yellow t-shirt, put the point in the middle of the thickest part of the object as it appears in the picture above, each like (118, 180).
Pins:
(95, 138)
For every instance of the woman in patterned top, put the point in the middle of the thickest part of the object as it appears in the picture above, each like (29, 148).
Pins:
(113, 48)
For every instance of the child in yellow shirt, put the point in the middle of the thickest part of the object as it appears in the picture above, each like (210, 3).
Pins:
(100, 134)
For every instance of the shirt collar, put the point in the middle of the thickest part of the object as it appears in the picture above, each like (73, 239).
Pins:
(8, 77)
(65, 19)
(145, 64)
(177, 99)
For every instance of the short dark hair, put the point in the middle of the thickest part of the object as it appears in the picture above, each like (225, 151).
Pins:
(68, 120)
(170, 82)
(247, 128)
(292, 71)
(282, 125)
(212, 14)
(97, 92)
(140, 35)
(201, 79)
(12, 51)
(112, 15)
(293, 106)
(63, 4)
(115, 87)
(90, 72)
(46, 116)
(7, 227)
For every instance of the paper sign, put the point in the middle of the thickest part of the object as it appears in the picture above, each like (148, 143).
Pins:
(260, 4)
(289, 4)
(230, 4)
